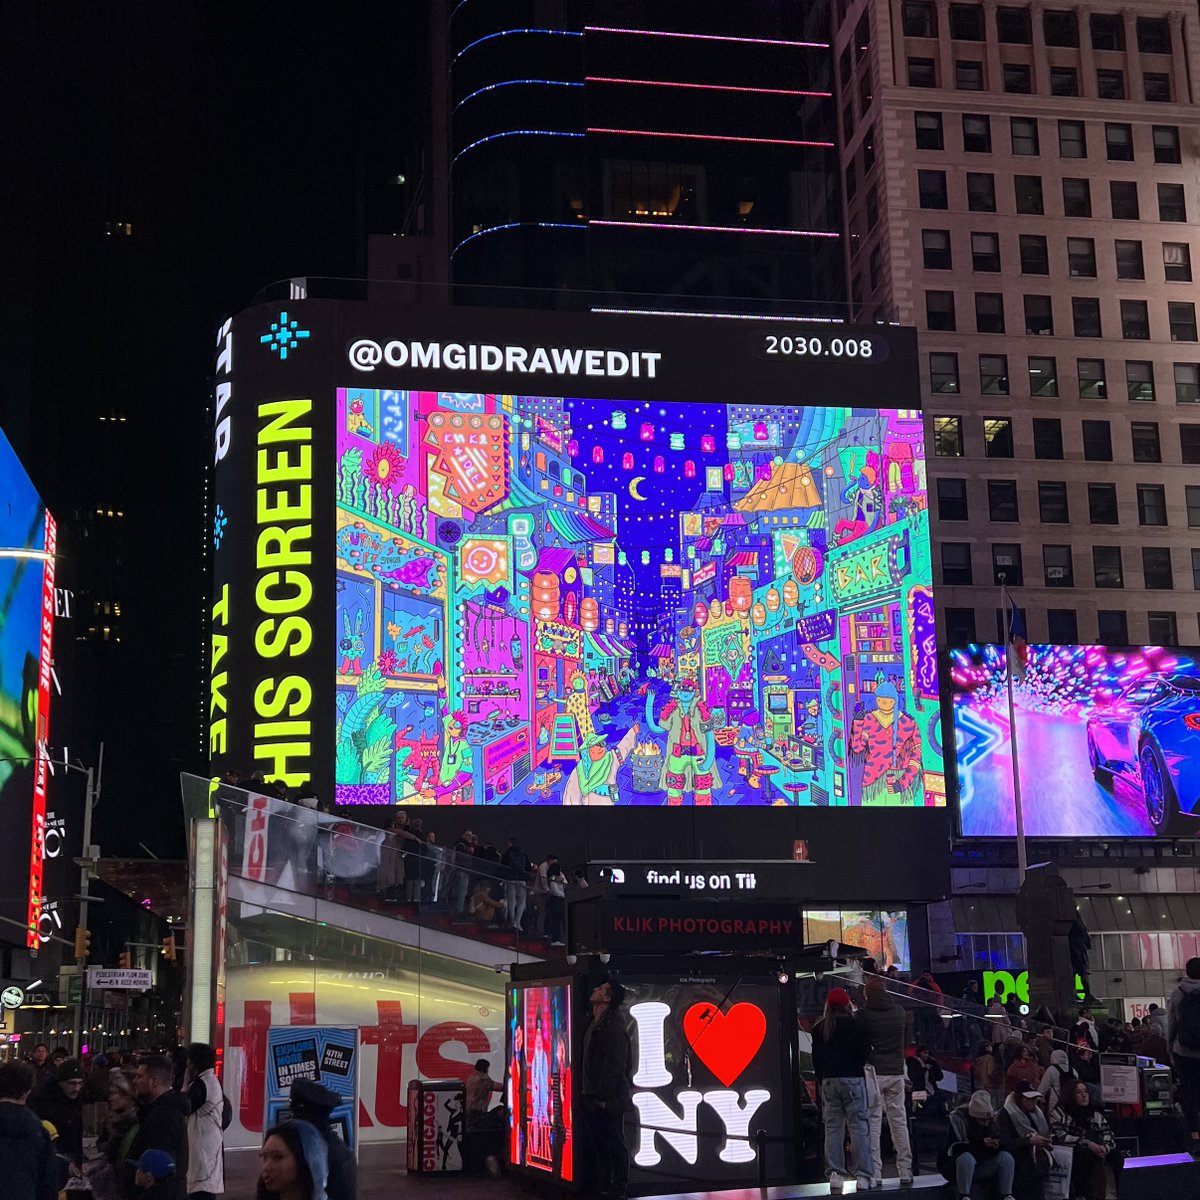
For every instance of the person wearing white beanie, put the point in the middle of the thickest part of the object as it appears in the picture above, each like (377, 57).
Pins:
(973, 1154)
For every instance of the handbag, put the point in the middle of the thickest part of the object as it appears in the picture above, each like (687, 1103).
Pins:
(1057, 1184)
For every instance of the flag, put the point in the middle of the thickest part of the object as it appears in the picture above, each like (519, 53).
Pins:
(1018, 647)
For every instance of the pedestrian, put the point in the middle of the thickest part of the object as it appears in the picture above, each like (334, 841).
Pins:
(28, 1164)
(579, 881)
(1025, 1134)
(1183, 1038)
(60, 1103)
(516, 888)
(435, 862)
(1057, 1079)
(1044, 1047)
(154, 1175)
(313, 1103)
(389, 878)
(606, 1091)
(556, 902)
(206, 1149)
(295, 1163)
(162, 1124)
(460, 878)
(924, 1074)
(840, 1050)
(1000, 1022)
(973, 1152)
(1085, 1029)
(484, 908)
(1080, 1123)
(115, 1139)
(989, 1074)
(1157, 1018)
(883, 1021)
(414, 853)
(478, 1089)
(43, 1069)
(1023, 1071)
(929, 996)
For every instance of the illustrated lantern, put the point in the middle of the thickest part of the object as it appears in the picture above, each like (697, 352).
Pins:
(715, 608)
(762, 471)
(700, 613)
(758, 614)
(740, 593)
(569, 608)
(773, 600)
(622, 558)
(645, 558)
(647, 433)
(627, 461)
(544, 595)
(669, 554)
(589, 613)
(617, 420)
(659, 466)
(622, 629)
(729, 472)
(791, 593)
(609, 625)
(677, 441)
(707, 443)
(760, 431)
(733, 440)
(597, 454)
(689, 469)
(691, 552)
(718, 545)
(572, 449)
(729, 608)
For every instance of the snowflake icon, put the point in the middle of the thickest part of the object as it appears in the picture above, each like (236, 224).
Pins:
(283, 336)
(220, 523)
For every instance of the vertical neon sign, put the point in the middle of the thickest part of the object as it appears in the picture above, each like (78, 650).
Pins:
(37, 848)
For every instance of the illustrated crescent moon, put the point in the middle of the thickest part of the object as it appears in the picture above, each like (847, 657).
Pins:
(633, 486)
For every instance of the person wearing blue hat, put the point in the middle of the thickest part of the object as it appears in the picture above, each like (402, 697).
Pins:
(153, 1175)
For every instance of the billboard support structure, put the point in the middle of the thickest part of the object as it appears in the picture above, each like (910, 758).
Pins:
(1018, 812)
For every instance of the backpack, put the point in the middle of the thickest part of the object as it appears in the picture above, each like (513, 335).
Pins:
(226, 1112)
(1187, 1023)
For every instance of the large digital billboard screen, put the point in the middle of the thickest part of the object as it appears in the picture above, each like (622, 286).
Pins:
(695, 574)
(1108, 741)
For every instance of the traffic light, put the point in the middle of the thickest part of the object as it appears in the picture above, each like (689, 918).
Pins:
(83, 943)
(168, 947)
(125, 959)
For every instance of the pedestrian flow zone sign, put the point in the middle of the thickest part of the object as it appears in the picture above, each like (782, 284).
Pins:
(128, 979)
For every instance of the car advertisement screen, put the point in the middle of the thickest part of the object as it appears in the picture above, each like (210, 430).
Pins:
(1108, 741)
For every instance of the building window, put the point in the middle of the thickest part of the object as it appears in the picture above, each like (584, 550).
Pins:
(1027, 190)
(1047, 437)
(1129, 260)
(872, 207)
(864, 93)
(1135, 320)
(1177, 262)
(1166, 144)
(1171, 204)
(1192, 497)
(1043, 376)
(1064, 81)
(851, 180)
(1072, 140)
(848, 121)
(1139, 381)
(1002, 500)
(1161, 626)
(1018, 79)
(943, 372)
(1152, 504)
(989, 312)
(1112, 628)
(1108, 31)
(1106, 566)
(993, 374)
(1081, 257)
(998, 437)
(1058, 566)
(966, 22)
(931, 186)
(1123, 197)
(1157, 573)
(1093, 382)
(948, 437)
(1062, 626)
(956, 563)
(981, 192)
(1187, 383)
(919, 19)
(1024, 135)
(1144, 438)
(1035, 258)
(929, 131)
(968, 75)
(1013, 26)
(952, 499)
(960, 626)
(1110, 85)
(985, 252)
(1102, 503)
(1006, 564)
(939, 310)
(1077, 198)
(1189, 444)
(922, 73)
(1196, 569)
(1052, 502)
(1085, 315)
(1181, 316)
(935, 246)
(977, 133)
(1097, 441)
(1118, 140)
(1060, 28)
(1039, 316)
(1154, 35)
(1156, 87)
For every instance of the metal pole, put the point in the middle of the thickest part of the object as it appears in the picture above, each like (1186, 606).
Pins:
(1022, 861)
(85, 875)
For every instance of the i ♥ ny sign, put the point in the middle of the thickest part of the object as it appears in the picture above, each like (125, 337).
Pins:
(726, 1043)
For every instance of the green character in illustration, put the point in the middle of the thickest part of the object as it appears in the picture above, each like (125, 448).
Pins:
(689, 761)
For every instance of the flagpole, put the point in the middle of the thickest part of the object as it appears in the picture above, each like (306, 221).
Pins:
(1022, 862)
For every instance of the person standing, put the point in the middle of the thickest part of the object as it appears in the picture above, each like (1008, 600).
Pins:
(883, 1021)
(1183, 1037)
(516, 888)
(295, 1163)
(28, 1164)
(606, 1091)
(162, 1123)
(462, 857)
(206, 1149)
(556, 902)
(999, 1020)
(1157, 1018)
(1023, 1071)
(989, 1073)
(43, 1069)
(60, 1103)
(313, 1103)
(840, 1050)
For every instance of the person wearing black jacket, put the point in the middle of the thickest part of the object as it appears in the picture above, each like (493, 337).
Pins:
(841, 1047)
(28, 1164)
(59, 1103)
(606, 1092)
(516, 888)
(162, 1125)
(313, 1103)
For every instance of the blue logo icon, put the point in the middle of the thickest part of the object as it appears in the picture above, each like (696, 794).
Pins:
(285, 335)
(220, 523)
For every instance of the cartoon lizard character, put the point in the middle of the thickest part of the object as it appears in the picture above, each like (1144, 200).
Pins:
(689, 760)
(353, 646)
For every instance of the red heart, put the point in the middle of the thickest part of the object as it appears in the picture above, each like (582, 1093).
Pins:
(725, 1043)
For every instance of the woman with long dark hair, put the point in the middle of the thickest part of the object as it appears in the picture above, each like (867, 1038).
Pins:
(295, 1163)
(1080, 1123)
(840, 1049)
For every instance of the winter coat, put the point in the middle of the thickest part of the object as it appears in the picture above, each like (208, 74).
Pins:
(66, 1115)
(845, 1054)
(1187, 987)
(206, 1164)
(28, 1164)
(884, 1022)
(162, 1125)
(1071, 1127)
(606, 1062)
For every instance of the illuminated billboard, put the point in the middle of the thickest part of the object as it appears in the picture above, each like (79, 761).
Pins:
(695, 571)
(27, 544)
(1108, 741)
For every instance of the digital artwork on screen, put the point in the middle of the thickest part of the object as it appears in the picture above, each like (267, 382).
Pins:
(1108, 741)
(567, 601)
(540, 1121)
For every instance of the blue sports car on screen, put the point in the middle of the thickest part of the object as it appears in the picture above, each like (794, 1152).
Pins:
(1150, 734)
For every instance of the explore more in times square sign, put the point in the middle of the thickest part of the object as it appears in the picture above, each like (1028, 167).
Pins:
(483, 557)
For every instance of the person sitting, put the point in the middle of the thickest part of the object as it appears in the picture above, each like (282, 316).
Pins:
(1025, 1134)
(483, 906)
(1079, 1122)
(973, 1153)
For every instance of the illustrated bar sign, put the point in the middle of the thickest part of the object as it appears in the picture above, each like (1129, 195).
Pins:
(133, 979)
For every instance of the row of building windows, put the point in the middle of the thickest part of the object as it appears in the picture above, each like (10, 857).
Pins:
(1091, 376)
(1017, 79)
(1062, 627)
(1014, 27)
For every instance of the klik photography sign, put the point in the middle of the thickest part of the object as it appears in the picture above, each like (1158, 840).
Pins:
(668, 925)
